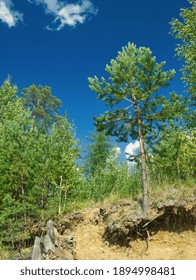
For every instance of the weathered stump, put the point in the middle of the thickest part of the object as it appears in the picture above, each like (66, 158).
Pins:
(36, 253)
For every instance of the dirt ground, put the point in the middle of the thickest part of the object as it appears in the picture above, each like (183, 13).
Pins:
(163, 245)
(121, 232)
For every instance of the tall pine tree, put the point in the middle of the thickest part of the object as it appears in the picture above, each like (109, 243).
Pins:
(135, 79)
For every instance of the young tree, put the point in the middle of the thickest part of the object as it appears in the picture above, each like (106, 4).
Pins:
(185, 31)
(133, 90)
(97, 151)
(62, 154)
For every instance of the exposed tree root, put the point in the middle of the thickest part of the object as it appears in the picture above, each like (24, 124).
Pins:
(169, 216)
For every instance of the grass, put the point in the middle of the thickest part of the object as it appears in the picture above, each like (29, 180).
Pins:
(97, 196)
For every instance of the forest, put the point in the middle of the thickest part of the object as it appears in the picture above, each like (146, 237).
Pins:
(44, 172)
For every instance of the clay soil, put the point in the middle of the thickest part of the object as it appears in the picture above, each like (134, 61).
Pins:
(164, 245)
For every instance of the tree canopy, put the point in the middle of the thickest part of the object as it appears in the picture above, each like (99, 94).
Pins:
(43, 105)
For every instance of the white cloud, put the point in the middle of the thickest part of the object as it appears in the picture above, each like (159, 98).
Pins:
(49, 5)
(7, 14)
(66, 14)
(131, 150)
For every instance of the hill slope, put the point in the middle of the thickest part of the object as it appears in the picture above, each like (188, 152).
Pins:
(120, 231)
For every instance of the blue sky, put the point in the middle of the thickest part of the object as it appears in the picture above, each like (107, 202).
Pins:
(62, 43)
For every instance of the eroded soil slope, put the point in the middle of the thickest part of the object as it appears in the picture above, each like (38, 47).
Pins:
(120, 232)
(163, 245)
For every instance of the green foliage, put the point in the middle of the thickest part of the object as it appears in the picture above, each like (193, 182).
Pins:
(106, 175)
(184, 31)
(112, 179)
(10, 106)
(175, 154)
(37, 166)
(97, 152)
(43, 105)
(134, 80)
(7, 92)
(61, 161)
(11, 222)
(115, 179)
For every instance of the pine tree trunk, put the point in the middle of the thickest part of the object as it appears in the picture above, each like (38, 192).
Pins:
(144, 170)
(143, 159)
